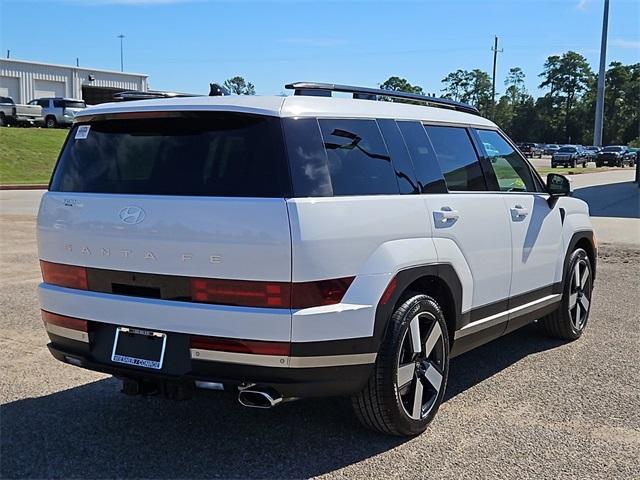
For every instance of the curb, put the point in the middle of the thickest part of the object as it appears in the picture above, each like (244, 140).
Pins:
(26, 186)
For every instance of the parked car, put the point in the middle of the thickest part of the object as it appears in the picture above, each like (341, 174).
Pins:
(551, 149)
(531, 149)
(615, 155)
(59, 111)
(12, 113)
(569, 157)
(591, 152)
(385, 243)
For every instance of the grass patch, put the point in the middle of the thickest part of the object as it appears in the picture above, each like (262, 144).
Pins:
(570, 171)
(27, 155)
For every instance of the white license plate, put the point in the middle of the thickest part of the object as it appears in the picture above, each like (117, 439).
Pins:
(139, 348)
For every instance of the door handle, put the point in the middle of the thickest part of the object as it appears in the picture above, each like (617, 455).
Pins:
(520, 211)
(446, 215)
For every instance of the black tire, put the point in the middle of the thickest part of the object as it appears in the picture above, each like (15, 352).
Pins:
(3, 120)
(598, 165)
(50, 122)
(569, 321)
(383, 405)
(584, 164)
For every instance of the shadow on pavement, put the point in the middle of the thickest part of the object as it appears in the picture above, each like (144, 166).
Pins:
(93, 431)
(621, 200)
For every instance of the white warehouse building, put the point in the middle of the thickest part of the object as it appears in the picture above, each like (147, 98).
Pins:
(25, 80)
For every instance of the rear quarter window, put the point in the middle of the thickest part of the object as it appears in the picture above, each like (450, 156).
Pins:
(199, 154)
(338, 157)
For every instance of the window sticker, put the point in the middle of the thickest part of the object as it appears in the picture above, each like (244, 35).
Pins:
(82, 132)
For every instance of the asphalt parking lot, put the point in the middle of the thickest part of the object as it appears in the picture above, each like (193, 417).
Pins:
(524, 406)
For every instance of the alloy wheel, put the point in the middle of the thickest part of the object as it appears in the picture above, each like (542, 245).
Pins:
(420, 366)
(580, 294)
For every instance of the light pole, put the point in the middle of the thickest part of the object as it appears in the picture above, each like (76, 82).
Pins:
(597, 128)
(121, 53)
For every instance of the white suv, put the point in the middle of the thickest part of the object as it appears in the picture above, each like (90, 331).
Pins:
(303, 246)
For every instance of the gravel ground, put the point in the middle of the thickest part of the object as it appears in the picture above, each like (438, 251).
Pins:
(523, 406)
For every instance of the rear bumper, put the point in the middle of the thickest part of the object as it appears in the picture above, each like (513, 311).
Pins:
(180, 370)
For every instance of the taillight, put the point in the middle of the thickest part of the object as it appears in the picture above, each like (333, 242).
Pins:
(322, 292)
(65, 322)
(269, 294)
(241, 346)
(69, 276)
(241, 292)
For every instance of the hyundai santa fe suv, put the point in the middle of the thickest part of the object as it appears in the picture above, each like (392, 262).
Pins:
(306, 246)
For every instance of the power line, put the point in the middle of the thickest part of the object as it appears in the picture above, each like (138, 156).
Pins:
(495, 51)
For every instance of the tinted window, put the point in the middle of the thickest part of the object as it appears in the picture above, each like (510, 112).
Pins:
(512, 172)
(457, 158)
(612, 149)
(206, 154)
(74, 104)
(58, 103)
(424, 158)
(43, 103)
(307, 158)
(400, 159)
(357, 158)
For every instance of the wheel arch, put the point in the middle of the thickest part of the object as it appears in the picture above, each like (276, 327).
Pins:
(439, 281)
(586, 241)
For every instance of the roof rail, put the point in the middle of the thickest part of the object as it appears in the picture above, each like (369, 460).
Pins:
(325, 90)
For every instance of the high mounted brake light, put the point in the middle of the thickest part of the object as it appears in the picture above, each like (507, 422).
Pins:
(69, 276)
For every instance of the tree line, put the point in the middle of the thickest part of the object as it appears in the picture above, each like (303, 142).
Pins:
(564, 114)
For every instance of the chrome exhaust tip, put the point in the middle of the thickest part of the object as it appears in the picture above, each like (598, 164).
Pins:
(254, 397)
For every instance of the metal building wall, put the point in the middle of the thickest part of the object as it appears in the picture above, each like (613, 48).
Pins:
(74, 78)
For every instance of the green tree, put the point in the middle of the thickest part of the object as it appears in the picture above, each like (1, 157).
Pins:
(472, 87)
(567, 77)
(397, 84)
(239, 86)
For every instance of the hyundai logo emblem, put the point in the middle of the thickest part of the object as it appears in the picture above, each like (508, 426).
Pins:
(132, 215)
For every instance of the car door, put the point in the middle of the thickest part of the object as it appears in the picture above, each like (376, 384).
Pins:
(467, 222)
(536, 229)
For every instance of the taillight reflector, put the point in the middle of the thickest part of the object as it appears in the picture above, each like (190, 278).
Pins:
(241, 292)
(69, 276)
(66, 322)
(386, 295)
(241, 346)
(323, 292)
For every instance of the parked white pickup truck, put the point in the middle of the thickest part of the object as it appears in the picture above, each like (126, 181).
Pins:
(13, 113)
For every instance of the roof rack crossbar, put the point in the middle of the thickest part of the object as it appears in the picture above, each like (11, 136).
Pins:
(325, 90)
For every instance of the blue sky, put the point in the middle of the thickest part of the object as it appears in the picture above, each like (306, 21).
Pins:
(185, 44)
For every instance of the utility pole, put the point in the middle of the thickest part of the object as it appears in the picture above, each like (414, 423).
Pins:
(597, 128)
(77, 62)
(121, 53)
(493, 80)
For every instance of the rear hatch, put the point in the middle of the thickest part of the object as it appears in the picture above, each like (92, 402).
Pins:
(182, 195)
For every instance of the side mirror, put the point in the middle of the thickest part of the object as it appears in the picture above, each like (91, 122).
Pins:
(558, 186)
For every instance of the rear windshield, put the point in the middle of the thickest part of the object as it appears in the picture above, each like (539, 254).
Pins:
(201, 154)
(612, 149)
(74, 104)
(567, 150)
